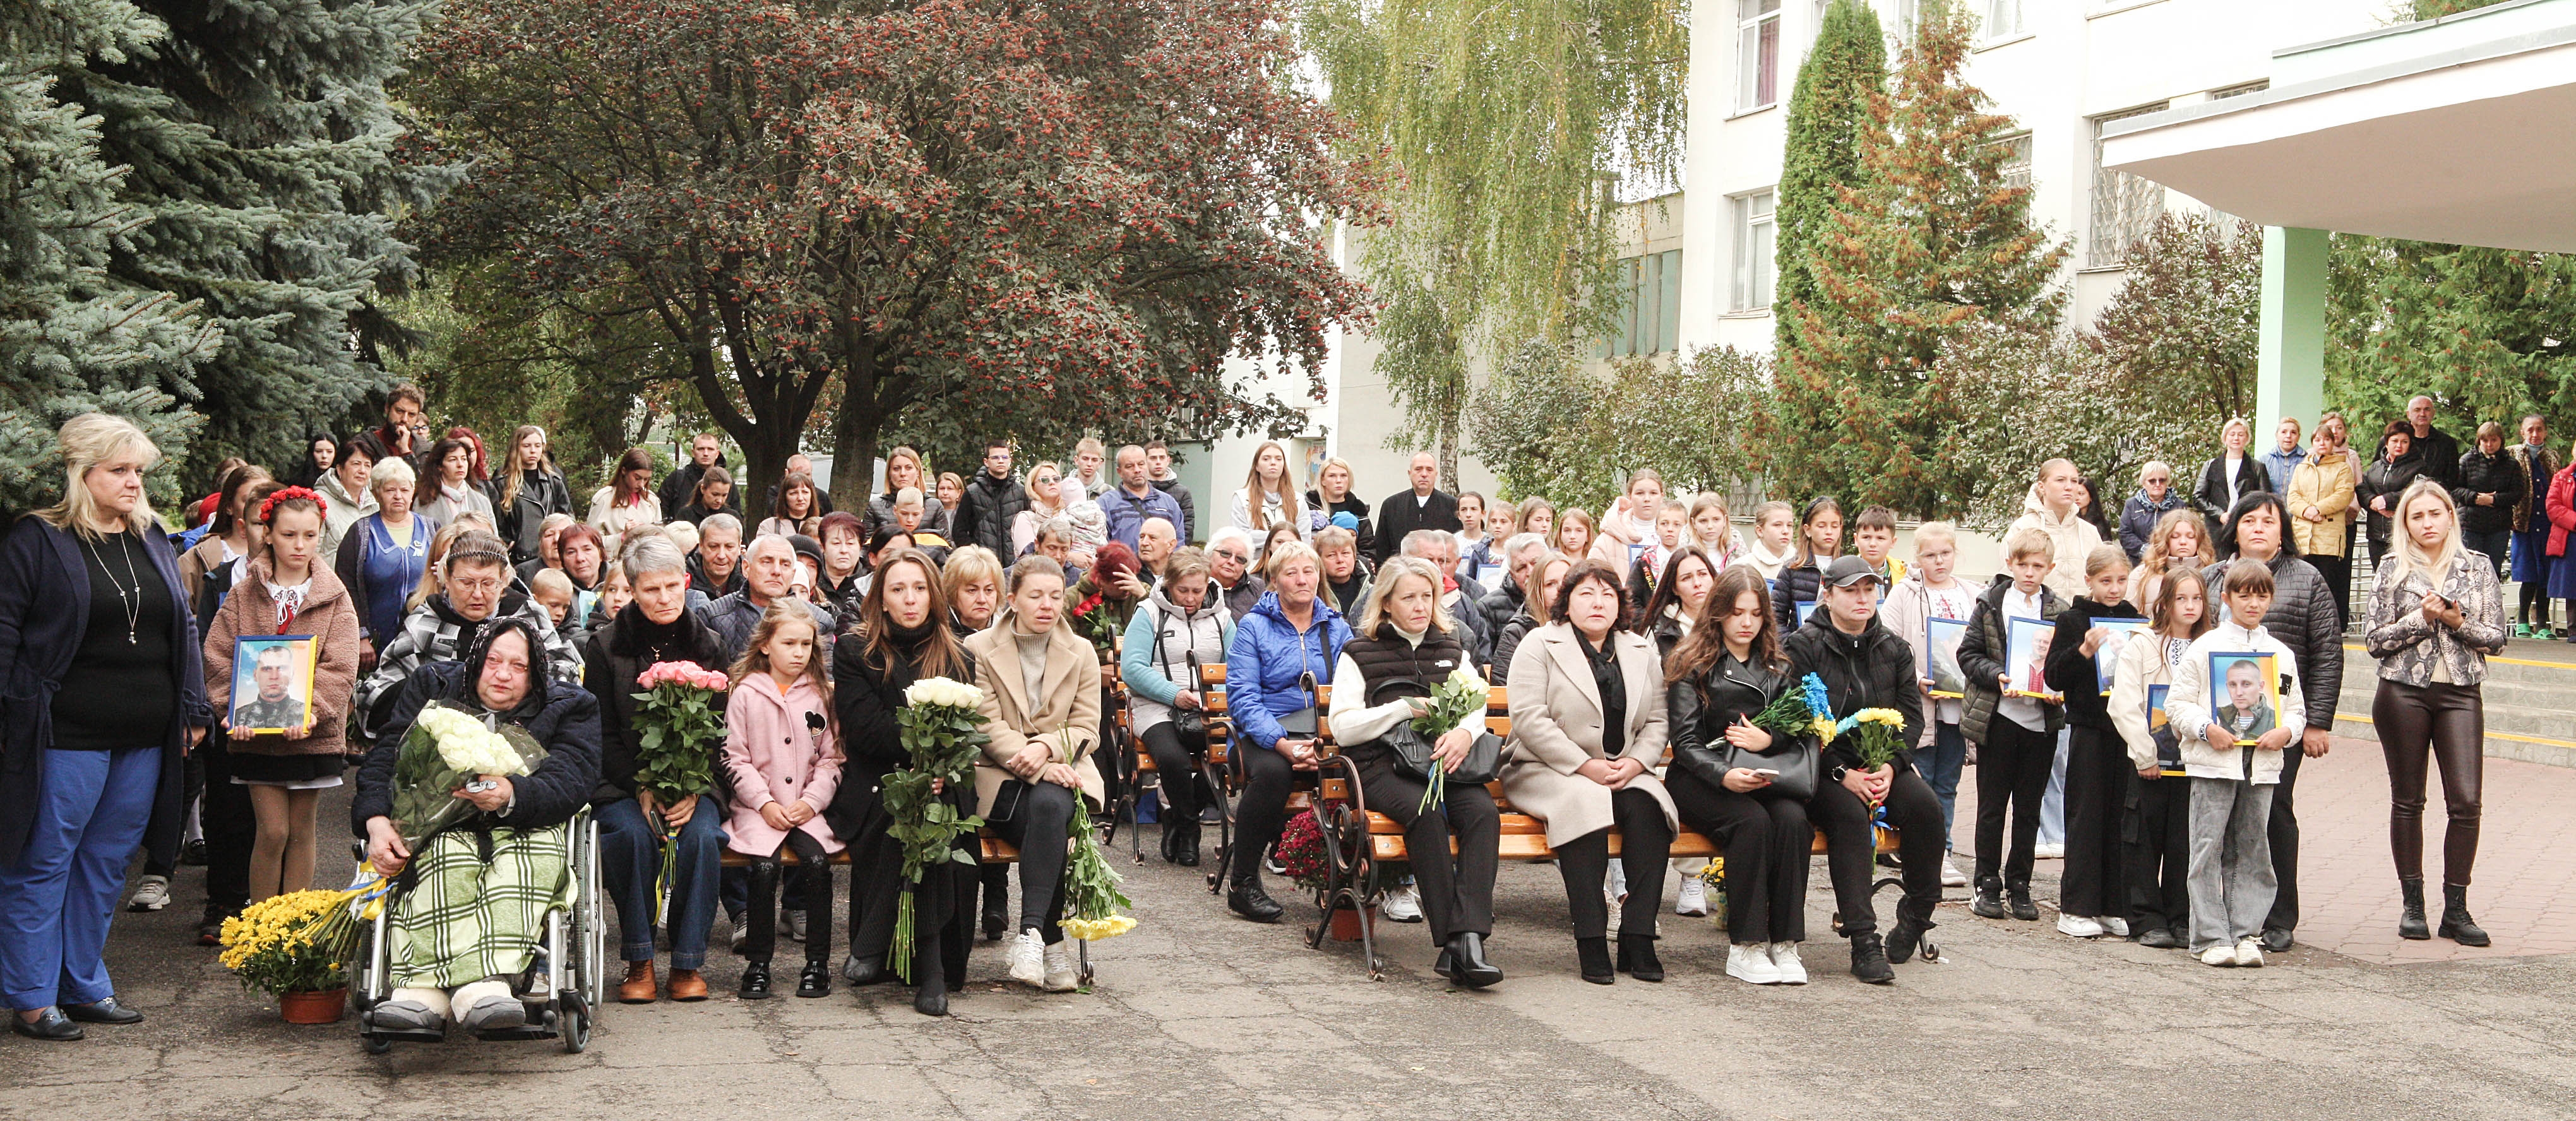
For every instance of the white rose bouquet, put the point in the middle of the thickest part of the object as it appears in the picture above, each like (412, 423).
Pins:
(446, 748)
(942, 726)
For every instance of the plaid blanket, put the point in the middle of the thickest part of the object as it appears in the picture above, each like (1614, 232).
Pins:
(465, 920)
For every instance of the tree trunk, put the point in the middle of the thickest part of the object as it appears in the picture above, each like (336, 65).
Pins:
(854, 430)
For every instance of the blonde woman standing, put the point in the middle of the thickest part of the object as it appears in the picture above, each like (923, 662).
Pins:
(2436, 614)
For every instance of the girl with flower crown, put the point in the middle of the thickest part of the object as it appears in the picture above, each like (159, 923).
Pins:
(287, 591)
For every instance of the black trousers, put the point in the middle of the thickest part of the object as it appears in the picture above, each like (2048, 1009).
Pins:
(1263, 810)
(943, 916)
(2097, 794)
(1180, 770)
(761, 933)
(167, 831)
(2338, 576)
(1457, 892)
(1765, 841)
(1046, 811)
(1645, 850)
(1851, 847)
(2284, 831)
(2156, 840)
(2446, 723)
(229, 826)
(2012, 776)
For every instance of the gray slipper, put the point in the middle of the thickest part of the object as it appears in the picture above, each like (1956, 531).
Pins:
(493, 1013)
(405, 1015)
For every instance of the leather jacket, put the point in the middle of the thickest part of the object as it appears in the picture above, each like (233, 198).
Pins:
(1699, 709)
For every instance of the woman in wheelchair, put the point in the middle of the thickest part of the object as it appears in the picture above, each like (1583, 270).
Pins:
(1408, 645)
(471, 902)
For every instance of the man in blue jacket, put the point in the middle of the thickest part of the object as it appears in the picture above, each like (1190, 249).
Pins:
(1135, 499)
(1288, 640)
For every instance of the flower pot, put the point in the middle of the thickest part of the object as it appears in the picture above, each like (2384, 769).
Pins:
(1346, 923)
(313, 1008)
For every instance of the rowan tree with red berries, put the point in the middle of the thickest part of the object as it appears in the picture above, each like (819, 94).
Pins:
(973, 216)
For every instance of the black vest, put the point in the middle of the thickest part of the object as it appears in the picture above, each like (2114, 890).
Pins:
(1390, 667)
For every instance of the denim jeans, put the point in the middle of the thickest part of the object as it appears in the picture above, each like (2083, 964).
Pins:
(630, 859)
(57, 900)
(1940, 766)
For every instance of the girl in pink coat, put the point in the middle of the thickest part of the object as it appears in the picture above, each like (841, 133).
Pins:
(783, 762)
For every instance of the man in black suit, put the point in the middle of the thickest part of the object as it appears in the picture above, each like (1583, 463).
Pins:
(1423, 507)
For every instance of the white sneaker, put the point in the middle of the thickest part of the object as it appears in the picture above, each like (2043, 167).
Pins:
(1752, 965)
(2078, 926)
(2218, 955)
(2048, 850)
(1061, 976)
(2116, 926)
(2249, 954)
(1404, 904)
(1951, 876)
(1028, 959)
(1615, 886)
(1784, 957)
(1693, 898)
(151, 895)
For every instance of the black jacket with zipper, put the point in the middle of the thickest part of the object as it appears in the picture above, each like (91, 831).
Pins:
(1797, 582)
(2500, 475)
(2071, 671)
(1699, 709)
(1981, 659)
(1872, 669)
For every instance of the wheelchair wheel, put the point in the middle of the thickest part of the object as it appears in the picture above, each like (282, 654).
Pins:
(374, 1045)
(574, 1025)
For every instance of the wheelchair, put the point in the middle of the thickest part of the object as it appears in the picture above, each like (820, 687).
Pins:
(571, 958)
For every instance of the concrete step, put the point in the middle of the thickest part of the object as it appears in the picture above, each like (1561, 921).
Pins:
(2530, 696)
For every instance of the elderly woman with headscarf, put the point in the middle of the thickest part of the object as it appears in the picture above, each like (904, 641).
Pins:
(471, 898)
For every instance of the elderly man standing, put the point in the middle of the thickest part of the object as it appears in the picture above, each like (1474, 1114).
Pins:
(1423, 506)
(1520, 554)
(2439, 451)
(1135, 500)
(1229, 568)
(715, 569)
(1155, 541)
(769, 567)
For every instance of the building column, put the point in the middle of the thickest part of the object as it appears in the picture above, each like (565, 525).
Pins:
(2291, 377)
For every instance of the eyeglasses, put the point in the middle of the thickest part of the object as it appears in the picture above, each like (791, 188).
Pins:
(1232, 555)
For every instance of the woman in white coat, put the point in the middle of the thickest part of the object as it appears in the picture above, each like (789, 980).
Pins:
(1587, 707)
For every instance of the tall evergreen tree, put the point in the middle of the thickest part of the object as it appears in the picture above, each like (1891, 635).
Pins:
(1932, 241)
(1828, 111)
(73, 338)
(262, 145)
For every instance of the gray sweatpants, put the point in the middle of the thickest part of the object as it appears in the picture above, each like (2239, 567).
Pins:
(2231, 860)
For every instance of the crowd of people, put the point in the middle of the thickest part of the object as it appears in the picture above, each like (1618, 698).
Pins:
(2138, 691)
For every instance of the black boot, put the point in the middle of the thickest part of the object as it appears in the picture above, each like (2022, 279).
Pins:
(1593, 954)
(2456, 923)
(2017, 899)
(864, 971)
(1468, 967)
(931, 999)
(1185, 848)
(815, 981)
(1248, 900)
(1869, 960)
(1906, 936)
(997, 919)
(2410, 923)
(1989, 902)
(1637, 957)
(755, 981)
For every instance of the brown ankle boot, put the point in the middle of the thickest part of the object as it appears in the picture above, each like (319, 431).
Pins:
(638, 986)
(686, 984)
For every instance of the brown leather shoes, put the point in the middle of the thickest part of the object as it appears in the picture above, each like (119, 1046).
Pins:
(686, 984)
(638, 986)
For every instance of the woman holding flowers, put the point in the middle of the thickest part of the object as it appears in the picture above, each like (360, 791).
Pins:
(1587, 730)
(287, 592)
(1407, 647)
(104, 692)
(1041, 704)
(655, 628)
(903, 636)
(784, 761)
(467, 915)
(1718, 680)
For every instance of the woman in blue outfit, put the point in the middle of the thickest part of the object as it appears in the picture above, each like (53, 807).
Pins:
(383, 553)
(89, 592)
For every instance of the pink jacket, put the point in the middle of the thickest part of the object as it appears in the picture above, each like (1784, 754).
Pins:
(774, 752)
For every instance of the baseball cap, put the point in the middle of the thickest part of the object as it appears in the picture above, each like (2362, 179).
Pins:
(1847, 571)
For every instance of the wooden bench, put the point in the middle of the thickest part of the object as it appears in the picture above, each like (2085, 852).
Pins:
(996, 851)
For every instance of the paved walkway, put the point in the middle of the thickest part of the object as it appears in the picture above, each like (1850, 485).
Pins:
(1199, 1015)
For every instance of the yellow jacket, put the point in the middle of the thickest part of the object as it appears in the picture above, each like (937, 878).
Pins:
(2327, 485)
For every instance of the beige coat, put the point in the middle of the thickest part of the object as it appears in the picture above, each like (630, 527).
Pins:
(1556, 727)
(2328, 487)
(2071, 539)
(1066, 714)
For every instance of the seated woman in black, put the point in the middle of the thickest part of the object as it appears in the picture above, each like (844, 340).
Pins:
(1408, 646)
(1728, 670)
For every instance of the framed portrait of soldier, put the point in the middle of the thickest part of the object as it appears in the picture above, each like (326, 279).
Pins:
(1941, 657)
(2244, 694)
(272, 683)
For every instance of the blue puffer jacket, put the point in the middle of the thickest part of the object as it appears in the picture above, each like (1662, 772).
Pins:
(1268, 655)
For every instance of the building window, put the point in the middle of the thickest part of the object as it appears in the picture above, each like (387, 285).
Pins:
(1757, 72)
(2125, 206)
(1754, 239)
(2016, 167)
(1650, 306)
(2003, 19)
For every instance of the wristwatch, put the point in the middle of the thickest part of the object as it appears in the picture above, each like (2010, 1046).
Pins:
(1838, 772)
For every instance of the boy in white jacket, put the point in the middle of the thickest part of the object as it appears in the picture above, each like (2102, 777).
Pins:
(2231, 786)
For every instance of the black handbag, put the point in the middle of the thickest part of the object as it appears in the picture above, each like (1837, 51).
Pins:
(1189, 725)
(1412, 752)
(1796, 767)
